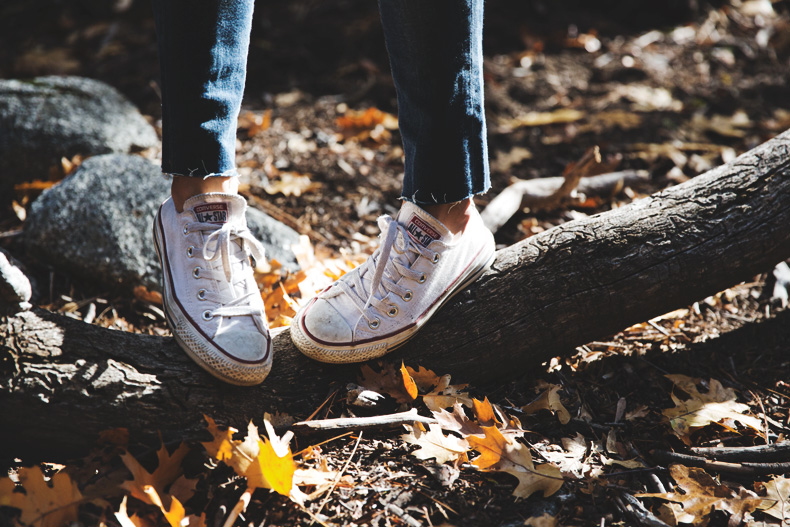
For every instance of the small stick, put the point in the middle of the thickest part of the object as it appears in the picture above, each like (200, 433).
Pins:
(746, 469)
(363, 423)
(403, 515)
(634, 508)
(240, 507)
(761, 453)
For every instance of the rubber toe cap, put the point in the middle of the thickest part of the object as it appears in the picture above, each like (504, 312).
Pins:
(324, 323)
(248, 346)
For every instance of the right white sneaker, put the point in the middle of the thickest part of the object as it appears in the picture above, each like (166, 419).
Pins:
(382, 303)
(211, 299)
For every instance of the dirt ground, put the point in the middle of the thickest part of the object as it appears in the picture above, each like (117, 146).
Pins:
(673, 89)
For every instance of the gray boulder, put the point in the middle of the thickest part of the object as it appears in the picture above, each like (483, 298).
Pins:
(46, 118)
(96, 224)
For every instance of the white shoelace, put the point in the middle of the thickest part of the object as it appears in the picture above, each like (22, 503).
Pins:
(219, 244)
(387, 271)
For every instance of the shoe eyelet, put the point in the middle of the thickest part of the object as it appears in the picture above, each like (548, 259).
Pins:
(408, 295)
(207, 315)
(186, 230)
(201, 295)
(393, 312)
(435, 257)
(422, 279)
(375, 323)
(190, 251)
(196, 272)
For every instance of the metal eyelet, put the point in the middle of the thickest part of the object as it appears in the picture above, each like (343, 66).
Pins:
(435, 257)
(375, 323)
(408, 295)
(196, 272)
(186, 230)
(207, 315)
(422, 279)
(201, 295)
(190, 251)
(393, 311)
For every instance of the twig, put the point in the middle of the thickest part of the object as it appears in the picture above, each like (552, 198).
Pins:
(765, 417)
(761, 453)
(363, 423)
(337, 478)
(635, 510)
(322, 405)
(746, 469)
(240, 507)
(403, 515)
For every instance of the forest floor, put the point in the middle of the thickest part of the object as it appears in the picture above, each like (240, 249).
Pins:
(672, 92)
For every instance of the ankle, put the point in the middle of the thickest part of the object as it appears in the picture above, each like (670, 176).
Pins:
(183, 188)
(454, 216)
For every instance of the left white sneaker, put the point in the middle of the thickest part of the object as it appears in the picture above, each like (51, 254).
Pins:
(382, 303)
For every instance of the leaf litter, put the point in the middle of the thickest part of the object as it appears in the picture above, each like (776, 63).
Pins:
(449, 472)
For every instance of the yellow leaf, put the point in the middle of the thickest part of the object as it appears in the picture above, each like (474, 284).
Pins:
(42, 505)
(445, 395)
(702, 409)
(291, 184)
(270, 471)
(549, 400)
(500, 454)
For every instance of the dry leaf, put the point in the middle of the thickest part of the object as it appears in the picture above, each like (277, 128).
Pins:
(42, 505)
(457, 421)
(173, 514)
(484, 412)
(544, 520)
(563, 115)
(237, 454)
(777, 498)
(500, 454)
(291, 184)
(143, 294)
(434, 444)
(167, 471)
(569, 458)
(549, 400)
(445, 395)
(701, 409)
(702, 495)
(396, 383)
(367, 119)
(425, 379)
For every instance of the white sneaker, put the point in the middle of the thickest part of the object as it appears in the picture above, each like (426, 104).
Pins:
(212, 302)
(382, 303)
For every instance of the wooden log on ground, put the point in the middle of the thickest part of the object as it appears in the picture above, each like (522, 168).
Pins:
(63, 381)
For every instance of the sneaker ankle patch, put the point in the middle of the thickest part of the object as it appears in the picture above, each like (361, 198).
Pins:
(211, 213)
(421, 232)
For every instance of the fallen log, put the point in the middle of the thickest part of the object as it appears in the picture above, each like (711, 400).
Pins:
(63, 381)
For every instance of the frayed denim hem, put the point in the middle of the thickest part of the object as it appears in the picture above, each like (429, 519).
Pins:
(227, 173)
(444, 199)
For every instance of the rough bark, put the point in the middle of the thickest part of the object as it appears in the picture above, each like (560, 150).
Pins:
(63, 381)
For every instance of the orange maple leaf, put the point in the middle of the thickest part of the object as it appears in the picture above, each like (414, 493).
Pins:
(166, 472)
(42, 505)
(397, 383)
(501, 454)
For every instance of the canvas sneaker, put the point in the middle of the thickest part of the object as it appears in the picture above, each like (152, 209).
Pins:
(386, 300)
(212, 302)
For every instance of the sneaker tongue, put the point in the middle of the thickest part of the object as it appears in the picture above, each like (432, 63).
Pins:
(422, 227)
(216, 207)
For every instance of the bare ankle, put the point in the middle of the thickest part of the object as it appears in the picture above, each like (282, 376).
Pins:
(182, 188)
(454, 215)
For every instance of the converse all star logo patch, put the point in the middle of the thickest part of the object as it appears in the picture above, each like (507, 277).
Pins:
(421, 232)
(212, 212)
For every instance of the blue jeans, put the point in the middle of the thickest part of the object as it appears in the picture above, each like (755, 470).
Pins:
(435, 49)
